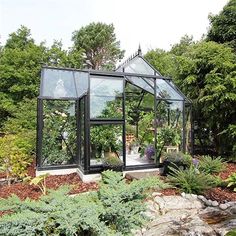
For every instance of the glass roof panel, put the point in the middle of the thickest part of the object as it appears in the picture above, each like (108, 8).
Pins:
(58, 84)
(166, 91)
(139, 66)
(146, 84)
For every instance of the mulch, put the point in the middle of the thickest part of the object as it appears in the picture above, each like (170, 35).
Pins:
(223, 194)
(24, 190)
(230, 169)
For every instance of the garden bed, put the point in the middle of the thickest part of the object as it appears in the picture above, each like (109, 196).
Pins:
(24, 190)
(221, 194)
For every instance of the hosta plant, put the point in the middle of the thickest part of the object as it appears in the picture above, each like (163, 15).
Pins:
(40, 181)
(232, 181)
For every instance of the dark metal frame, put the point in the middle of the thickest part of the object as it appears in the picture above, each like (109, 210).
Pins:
(87, 167)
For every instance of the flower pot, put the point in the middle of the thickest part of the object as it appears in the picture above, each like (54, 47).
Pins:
(110, 154)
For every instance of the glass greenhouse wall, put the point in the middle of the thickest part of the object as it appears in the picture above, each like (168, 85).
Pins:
(134, 113)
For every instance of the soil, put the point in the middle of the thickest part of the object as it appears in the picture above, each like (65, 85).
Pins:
(24, 190)
(170, 191)
(223, 194)
(230, 169)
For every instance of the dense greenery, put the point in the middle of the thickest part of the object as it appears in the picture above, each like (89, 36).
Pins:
(99, 43)
(114, 210)
(223, 25)
(205, 72)
(14, 156)
(21, 60)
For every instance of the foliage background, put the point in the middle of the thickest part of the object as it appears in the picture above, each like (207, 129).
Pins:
(205, 71)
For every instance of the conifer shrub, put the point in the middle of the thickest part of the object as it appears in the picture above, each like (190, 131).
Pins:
(115, 209)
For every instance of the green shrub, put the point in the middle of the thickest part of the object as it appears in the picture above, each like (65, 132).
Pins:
(14, 156)
(191, 180)
(231, 233)
(232, 181)
(179, 157)
(211, 165)
(54, 214)
(113, 161)
(114, 210)
(123, 203)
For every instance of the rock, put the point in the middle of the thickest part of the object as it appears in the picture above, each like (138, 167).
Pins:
(233, 210)
(208, 202)
(215, 203)
(183, 194)
(154, 194)
(223, 206)
(232, 203)
(201, 197)
(194, 196)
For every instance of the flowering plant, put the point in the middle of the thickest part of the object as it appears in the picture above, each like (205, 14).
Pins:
(149, 151)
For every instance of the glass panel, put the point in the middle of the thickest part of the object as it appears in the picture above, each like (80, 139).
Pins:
(139, 66)
(106, 86)
(59, 133)
(106, 107)
(140, 135)
(169, 120)
(82, 131)
(81, 81)
(106, 96)
(58, 84)
(144, 83)
(164, 90)
(105, 139)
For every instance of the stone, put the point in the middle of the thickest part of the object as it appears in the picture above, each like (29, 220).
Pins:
(215, 203)
(232, 203)
(183, 194)
(223, 206)
(233, 210)
(194, 196)
(178, 215)
(208, 202)
(154, 194)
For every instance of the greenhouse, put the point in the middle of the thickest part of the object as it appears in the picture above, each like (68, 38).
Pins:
(132, 114)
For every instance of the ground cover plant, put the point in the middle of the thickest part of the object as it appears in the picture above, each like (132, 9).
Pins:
(114, 210)
(191, 180)
(210, 165)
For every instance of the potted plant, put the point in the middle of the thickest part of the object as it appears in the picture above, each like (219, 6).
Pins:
(167, 136)
(107, 139)
(176, 160)
(112, 162)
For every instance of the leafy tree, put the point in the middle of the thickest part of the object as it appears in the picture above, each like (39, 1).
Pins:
(181, 47)
(223, 25)
(205, 72)
(57, 56)
(20, 64)
(99, 43)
